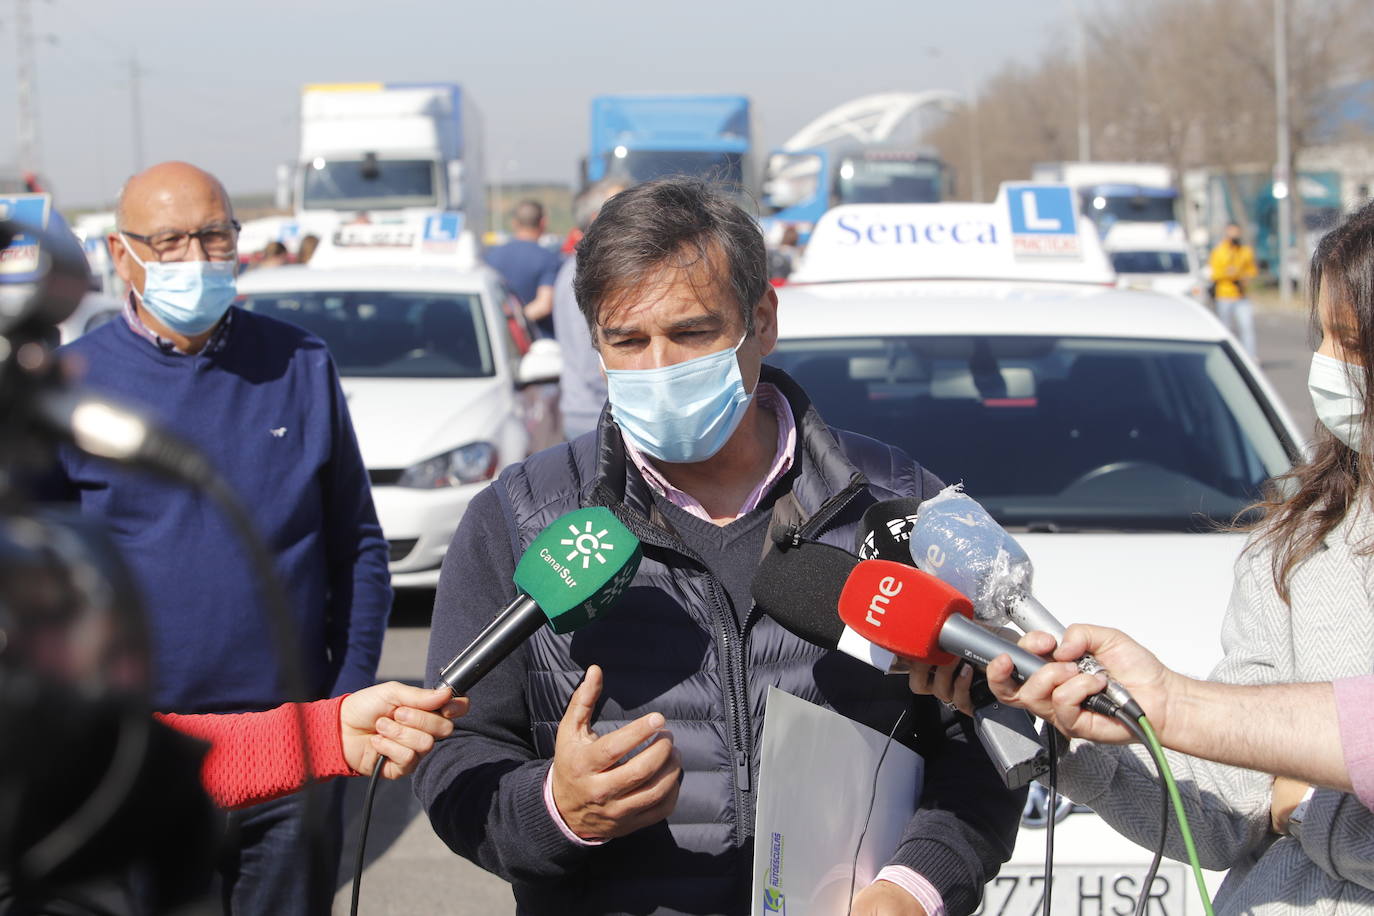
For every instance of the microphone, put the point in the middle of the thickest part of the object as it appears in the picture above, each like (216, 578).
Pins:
(1008, 734)
(918, 616)
(798, 585)
(956, 540)
(574, 570)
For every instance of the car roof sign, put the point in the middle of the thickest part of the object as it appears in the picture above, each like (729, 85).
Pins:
(1031, 232)
(439, 239)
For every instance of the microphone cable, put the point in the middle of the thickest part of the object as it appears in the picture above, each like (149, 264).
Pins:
(1051, 815)
(1146, 733)
(868, 816)
(372, 781)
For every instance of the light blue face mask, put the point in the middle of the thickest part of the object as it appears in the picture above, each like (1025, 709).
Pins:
(1335, 395)
(186, 296)
(680, 413)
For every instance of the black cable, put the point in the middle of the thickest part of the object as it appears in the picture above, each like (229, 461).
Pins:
(362, 833)
(1051, 816)
(872, 800)
(1142, 901)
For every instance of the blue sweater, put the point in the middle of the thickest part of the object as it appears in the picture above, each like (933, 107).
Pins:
(268, 411)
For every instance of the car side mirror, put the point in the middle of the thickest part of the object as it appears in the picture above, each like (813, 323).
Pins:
(541, 365)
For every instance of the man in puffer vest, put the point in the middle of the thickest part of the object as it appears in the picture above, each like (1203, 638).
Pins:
(614, 769)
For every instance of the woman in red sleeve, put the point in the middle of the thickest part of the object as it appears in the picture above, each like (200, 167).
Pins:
(258, 756)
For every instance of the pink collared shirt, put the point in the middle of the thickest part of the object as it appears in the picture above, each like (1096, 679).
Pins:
(768, 397)
(1354, 696)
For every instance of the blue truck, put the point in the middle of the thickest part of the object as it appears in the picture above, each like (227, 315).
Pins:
(638, 138)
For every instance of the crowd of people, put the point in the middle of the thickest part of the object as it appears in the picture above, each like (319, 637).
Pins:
(615, 770)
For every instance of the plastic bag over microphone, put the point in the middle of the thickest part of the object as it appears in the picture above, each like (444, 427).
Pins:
(957, 541)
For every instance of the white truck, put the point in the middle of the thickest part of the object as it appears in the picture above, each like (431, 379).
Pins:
(383, 153)
(1112, 192)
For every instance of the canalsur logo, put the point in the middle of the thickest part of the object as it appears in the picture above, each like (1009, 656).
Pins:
(586, 545)
(774, 900)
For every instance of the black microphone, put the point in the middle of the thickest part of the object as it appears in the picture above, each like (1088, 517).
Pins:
(1008, 734)
(575, 569)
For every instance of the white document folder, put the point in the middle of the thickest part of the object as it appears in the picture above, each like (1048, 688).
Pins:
(816, 779)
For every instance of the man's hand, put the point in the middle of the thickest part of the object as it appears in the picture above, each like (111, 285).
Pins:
(398, 721)
(599, 794)
(1055, 693)
(883, 898)
(947, 683)
(1286, 796)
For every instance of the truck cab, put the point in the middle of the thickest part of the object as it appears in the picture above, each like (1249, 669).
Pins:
(639, 138)
(384, 152)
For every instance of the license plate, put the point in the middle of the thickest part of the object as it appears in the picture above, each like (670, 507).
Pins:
(1085, 890)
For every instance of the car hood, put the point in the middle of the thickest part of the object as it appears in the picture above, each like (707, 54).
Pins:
(403, 421)
(1169, 591)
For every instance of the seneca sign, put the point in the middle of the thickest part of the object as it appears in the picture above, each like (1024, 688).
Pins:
(855, 229)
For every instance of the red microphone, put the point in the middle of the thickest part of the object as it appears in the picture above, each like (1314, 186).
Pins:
(922, 618)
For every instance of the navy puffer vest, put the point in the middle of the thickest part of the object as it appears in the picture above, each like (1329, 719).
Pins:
(672, 645)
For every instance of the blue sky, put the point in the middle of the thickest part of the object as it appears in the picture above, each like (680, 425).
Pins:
(221, 82)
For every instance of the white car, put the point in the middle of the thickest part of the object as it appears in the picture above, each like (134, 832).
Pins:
(1156, 257)
(443, 385)
(1111, 431)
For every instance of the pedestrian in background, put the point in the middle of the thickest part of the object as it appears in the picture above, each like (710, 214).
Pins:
(528, 267)
(582, 386)
(1233, 267)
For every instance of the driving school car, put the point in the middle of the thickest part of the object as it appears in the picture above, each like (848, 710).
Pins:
(443, 384)
(1112, 431)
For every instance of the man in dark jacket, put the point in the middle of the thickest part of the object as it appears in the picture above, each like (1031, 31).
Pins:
(702, 453)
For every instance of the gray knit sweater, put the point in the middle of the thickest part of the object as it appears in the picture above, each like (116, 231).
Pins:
(1328, 868)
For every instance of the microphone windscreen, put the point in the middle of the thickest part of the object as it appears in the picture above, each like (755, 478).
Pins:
(579, 566)
(799, 587)
(901, 609)
(885, 531)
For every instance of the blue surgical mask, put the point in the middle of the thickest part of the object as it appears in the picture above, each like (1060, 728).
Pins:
(186, 296)
(680, 413)
(1335, 395)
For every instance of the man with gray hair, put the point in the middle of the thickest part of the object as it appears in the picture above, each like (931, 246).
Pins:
(527, 266)
(707, 455)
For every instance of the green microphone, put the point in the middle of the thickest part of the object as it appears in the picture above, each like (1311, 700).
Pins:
(572, 572)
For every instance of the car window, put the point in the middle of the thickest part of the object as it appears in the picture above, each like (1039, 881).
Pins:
(390, 333)
(1149, 262)
(1057, 432)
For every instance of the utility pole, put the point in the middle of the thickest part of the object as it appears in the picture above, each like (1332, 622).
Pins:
(1085, 137)
(1283, 181)
(27, 151)
(136, 110)
(974, 143)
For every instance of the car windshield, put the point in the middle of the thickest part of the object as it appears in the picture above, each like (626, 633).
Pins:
(889, 181)
(369, 184)
(390, 333)
(1058, 433)
(645, 165)
(1149, 262)
(1138, 209)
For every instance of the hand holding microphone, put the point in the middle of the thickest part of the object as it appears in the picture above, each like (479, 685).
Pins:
(1056, 692)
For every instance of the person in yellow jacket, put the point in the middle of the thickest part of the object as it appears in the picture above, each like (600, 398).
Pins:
(1233, 266)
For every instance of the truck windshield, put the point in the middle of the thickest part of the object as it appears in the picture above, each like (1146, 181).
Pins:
(1130, 209)
(888, 181)
(1150, 262)
(645, 165)
(389, 333)
(379, 184)
(1071, 432)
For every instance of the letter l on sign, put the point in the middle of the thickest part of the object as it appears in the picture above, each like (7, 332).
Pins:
(1034, 221)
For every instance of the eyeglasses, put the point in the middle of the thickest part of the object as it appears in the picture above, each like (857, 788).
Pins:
(217, 240)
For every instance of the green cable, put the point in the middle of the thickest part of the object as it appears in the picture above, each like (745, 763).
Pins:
(1158, 751)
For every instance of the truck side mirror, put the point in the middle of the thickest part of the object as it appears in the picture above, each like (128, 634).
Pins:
(455, 184)
(283, 196)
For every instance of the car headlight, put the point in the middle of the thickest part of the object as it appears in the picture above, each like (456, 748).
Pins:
(469, 463)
